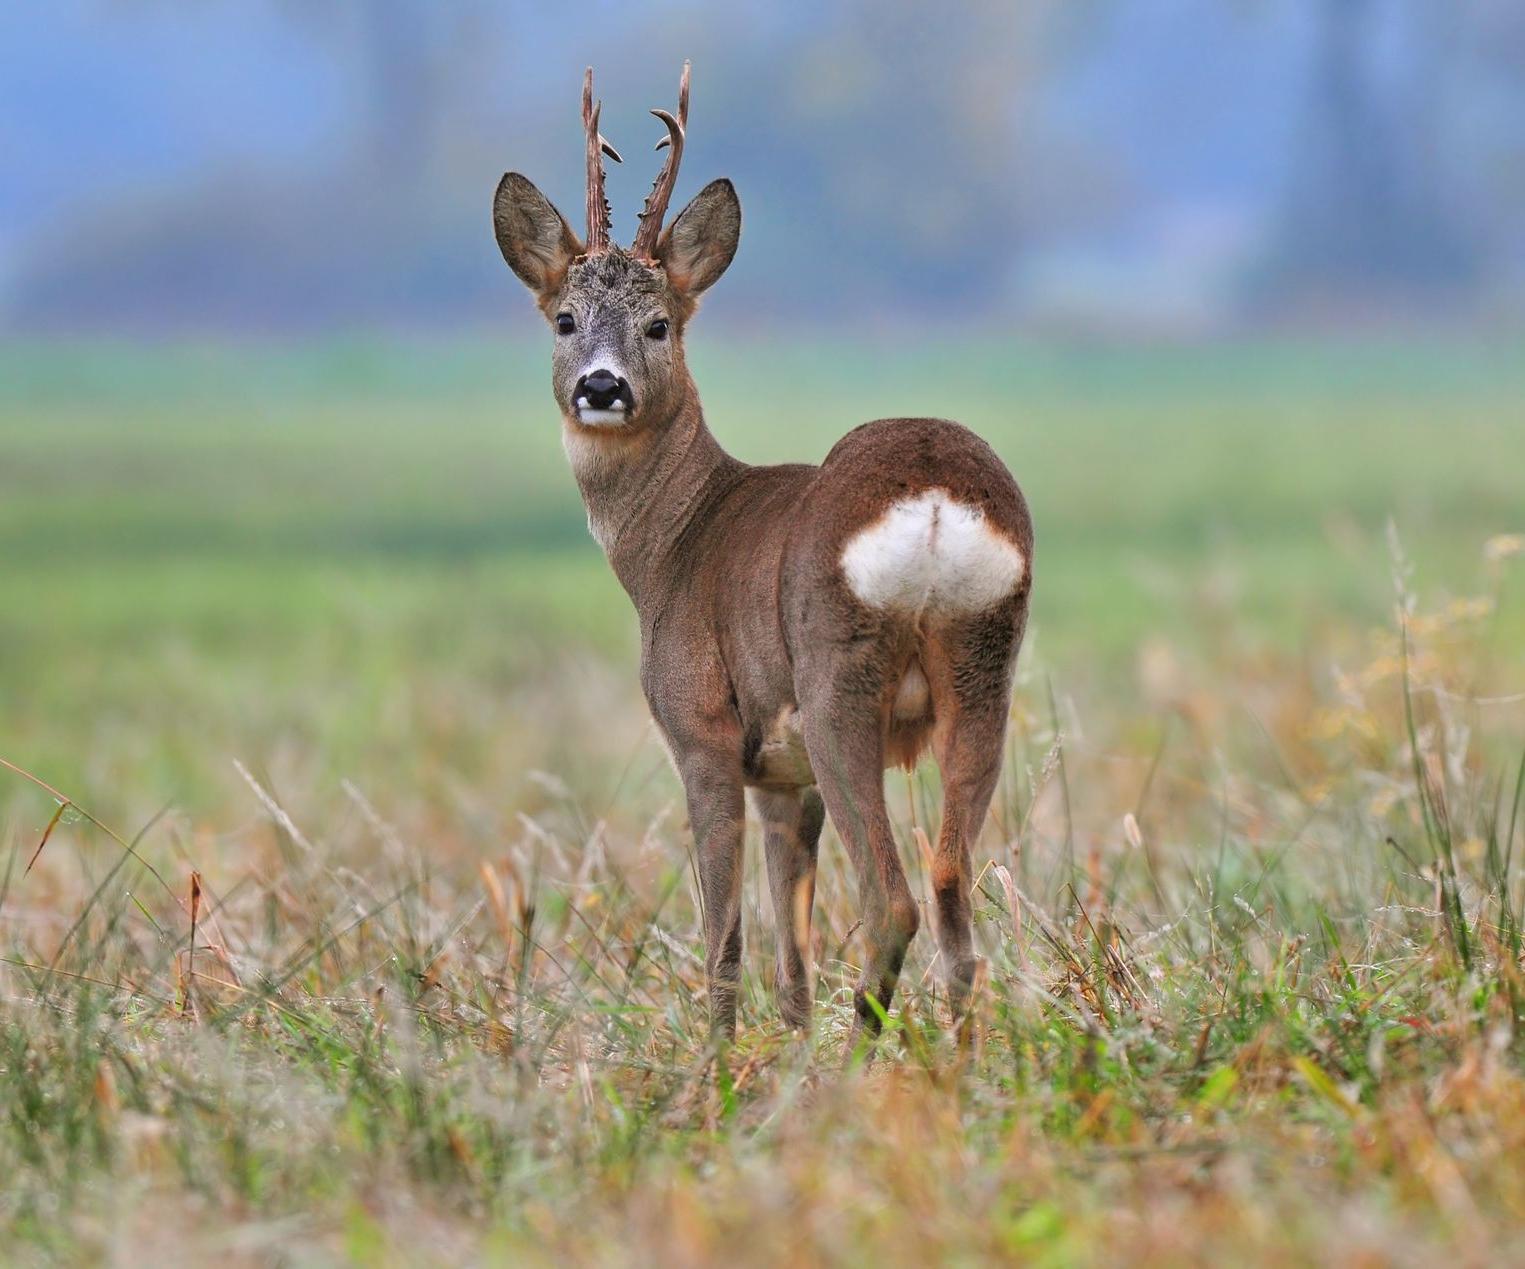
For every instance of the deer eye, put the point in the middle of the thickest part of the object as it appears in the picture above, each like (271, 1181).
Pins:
(658, 329)
(564, 324)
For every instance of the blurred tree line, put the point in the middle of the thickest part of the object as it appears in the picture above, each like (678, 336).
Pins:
(896, 160)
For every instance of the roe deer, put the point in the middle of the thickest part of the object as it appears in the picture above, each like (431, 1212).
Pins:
(802, 628)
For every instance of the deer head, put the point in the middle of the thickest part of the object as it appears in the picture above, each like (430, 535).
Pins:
(619, 315)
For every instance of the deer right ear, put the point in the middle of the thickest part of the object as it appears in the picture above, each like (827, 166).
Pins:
(533, 236)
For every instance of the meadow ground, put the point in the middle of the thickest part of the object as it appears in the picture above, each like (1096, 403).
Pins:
(321, 627)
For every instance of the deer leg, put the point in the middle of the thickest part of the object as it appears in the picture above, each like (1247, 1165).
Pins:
(716, 814)
(844, 736)
(967, 743)
(791, 833)
(971, 763)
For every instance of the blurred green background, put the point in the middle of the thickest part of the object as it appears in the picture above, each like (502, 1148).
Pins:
(368, 548)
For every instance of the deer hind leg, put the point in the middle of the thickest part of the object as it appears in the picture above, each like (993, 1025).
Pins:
(972, 689)
(843, 709)
(791, 834)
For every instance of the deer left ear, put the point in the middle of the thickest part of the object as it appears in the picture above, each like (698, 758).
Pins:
(697, 247)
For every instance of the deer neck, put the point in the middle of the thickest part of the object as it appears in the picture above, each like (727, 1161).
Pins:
(643, 492)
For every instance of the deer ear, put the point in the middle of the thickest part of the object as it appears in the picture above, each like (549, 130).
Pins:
(696, 248)
(533, 236)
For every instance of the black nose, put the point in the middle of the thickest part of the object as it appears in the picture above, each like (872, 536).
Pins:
(601, 389)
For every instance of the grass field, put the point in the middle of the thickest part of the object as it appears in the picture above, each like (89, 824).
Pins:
(322, 626)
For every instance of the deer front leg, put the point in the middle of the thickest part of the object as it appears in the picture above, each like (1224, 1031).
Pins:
(713, 786)
(791, 835)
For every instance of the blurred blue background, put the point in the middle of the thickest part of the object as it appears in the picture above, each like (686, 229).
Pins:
(1178, 167)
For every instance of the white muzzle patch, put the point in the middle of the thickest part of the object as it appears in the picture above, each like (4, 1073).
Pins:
(615, 416)
(930, 553)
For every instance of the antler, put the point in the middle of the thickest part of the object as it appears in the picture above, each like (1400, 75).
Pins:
(645, 245)
(598, 205)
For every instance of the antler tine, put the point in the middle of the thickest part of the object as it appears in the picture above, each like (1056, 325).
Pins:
(655, 209)
(598, 205)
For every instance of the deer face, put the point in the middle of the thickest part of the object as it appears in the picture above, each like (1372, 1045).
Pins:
(619, 316)
(618, 356)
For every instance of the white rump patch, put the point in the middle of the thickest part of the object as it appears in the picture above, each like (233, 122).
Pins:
(930, 553)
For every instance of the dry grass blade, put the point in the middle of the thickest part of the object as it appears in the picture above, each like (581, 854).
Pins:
(186, 1003)
(46, 833)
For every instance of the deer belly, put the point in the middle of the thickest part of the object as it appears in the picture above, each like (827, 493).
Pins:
(780, 760)
(913, 696)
